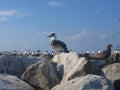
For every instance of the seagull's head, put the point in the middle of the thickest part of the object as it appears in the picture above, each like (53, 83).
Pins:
(109, 46)
(52, 36)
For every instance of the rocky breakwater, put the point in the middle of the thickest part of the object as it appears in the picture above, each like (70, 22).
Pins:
(65, 71)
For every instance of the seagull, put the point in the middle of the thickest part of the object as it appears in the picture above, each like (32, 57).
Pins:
(57, 45)
(103, 55)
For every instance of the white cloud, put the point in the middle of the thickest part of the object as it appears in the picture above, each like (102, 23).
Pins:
(23, 14)
(84, 34)
(73, 37)
(5, 15)
(56, 4)
(102, 36)
(88, 40)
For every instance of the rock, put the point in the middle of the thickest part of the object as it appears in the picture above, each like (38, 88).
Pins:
(112, 72)
(10, 82)
(88, 82)
(116, 57)
(14, 65)
(41, 75)
(70, 66)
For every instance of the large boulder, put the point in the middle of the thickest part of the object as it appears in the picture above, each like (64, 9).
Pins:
(112, 72)
(88, 82)
(41, 75)
(15, 65)
(10, 82)
(70, 65)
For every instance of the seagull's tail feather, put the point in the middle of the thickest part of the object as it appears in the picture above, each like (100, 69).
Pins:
(67, 51)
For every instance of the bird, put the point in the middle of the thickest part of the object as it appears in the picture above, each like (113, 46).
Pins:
(57, 45)
(103, 55)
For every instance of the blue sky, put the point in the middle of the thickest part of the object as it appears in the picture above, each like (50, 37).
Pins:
(82, 24)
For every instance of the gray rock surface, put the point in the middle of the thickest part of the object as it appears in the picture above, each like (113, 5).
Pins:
(88, 82)
(112, 72)
(10, 82)
(70, 66)
(41, 75)
(14, 65)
